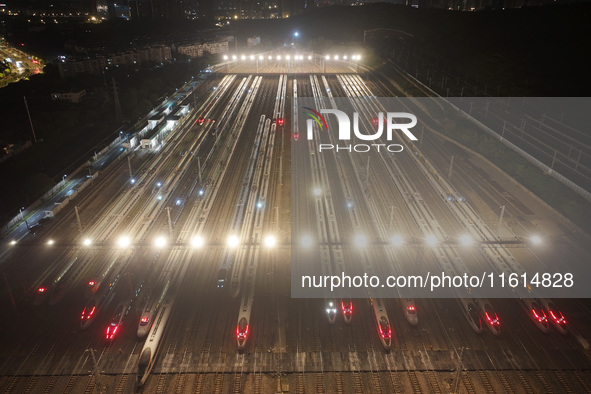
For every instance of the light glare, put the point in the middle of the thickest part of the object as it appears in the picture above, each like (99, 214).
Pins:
(397, 240)
(270, 241)
(431, 240)
(233, 241)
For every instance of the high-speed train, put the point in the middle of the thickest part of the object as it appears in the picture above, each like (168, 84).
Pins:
(151, 347)
(555, 316)
(116, 322)
(536, 313)
(149, 311)
(471, 311)
(331, 311)
(410, 311)
(347, 309)
(242, 333)
(491, 319)
(242, 327)
(382, 322)
(92, 308)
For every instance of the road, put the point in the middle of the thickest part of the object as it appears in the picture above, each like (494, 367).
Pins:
(228, 154)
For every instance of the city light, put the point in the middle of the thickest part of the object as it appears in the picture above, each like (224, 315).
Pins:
(397, 240)
(536, 239)
(270, 241)
(431, 240)
(233, 241)
(124, 242)
(306, 241)
(360, 241)
(160, 242)
(197, 242)
(466, 240)
(13, 242)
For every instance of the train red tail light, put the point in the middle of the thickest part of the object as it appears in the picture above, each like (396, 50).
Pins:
(411, 309)
(111, 331)
(91, 283)
(387, 333)
(492, 319)
(280, 121)
(296, 136)
(557, 317)
(144, 321)
(41, 290)
(540, 316)
(241, 334)
(347, 308)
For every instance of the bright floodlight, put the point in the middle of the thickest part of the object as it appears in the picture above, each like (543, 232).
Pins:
(225, 57)
(317, 192)
(397, 240)
(466, 240)
(345, 57)
(360, 241)
(306, 241)
(233, 241)
(50, 242)
(260, 57)
(536, 239)
(158, 184)
(336, 57)
(160, 242)
(327, 57)
(251, 57)
(270, 241)
(13, 242)
(431, 240)
(87, 242)
(234, 57)
(270, 57)
(197, 242)
(124, 242)
(201, 192)
(279, 57)
(288, 57)
(309, 57)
